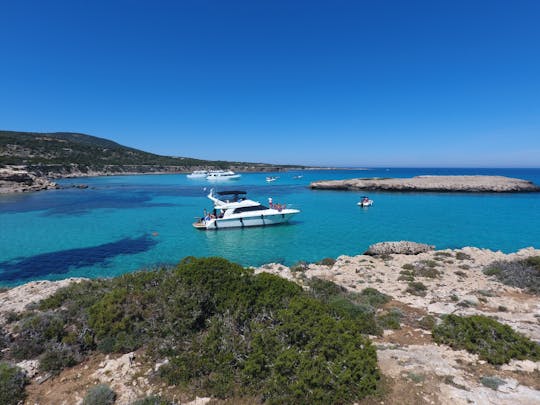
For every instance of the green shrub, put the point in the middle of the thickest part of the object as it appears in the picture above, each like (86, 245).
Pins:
(427, 322)
(463, 256)
(416, 288)
(492, 382)
(12, 382)
(34, 332)
(225, 331)
(406, 275)
(358, 306)
(491, 340)
(373, 297)
(99, 395)
(443, 254)
(391, 319)
(56, 358)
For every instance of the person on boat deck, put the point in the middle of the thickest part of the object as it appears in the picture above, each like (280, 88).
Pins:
(270, 203)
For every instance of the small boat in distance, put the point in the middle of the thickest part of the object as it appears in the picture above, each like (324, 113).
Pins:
(365, 202)
(198, 174)
(232, 209)
(270, 179)
(219, 175)
(298, 177)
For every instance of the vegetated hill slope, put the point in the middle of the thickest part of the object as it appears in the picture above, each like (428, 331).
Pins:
(66, 148)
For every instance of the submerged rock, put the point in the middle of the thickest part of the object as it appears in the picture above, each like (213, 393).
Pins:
(401, 247)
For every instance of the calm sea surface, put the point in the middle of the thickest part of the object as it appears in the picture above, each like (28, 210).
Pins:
(124, 223)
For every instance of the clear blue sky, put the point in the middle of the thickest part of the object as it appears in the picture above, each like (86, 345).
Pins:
(363, 83)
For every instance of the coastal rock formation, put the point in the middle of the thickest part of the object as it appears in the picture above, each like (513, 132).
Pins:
(472, 184)
(420, 370)
(401, 247)
(15, 179)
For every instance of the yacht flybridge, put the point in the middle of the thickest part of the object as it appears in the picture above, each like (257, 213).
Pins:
(232, 209)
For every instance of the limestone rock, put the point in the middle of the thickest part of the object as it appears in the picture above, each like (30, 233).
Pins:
(401, 247)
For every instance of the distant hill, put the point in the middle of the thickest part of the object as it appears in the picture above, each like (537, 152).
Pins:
(67, 148)
(30, 148)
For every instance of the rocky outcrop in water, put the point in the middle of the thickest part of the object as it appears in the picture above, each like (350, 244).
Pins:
(401, 247)
(472, 184)
(15, 179)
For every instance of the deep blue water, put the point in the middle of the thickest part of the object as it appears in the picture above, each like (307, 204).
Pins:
(123, 223)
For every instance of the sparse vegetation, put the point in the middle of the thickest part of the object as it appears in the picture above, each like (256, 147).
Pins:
(518, 273)
(492, 382)
(416, 288)
(423, 268)
(99, 395)
(491, 340)
(12, 382)
(443, 254)
(328, 261)
(462, 256)
(299, 267)
(390, 319)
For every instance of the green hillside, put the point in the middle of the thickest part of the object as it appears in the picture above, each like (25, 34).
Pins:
(67, 148)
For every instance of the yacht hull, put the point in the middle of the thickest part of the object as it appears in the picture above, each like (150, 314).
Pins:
(258, 220)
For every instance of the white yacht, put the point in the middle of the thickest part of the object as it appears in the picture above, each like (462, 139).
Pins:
(198, 174)
(270, 179)
(219, 175)
(232, 209)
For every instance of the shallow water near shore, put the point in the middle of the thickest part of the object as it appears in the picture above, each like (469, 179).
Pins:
(124, 223)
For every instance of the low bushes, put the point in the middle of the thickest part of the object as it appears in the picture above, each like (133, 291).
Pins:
(225, 331)
(518, 273)
(491, 340)
(99, 395)
(12, 382)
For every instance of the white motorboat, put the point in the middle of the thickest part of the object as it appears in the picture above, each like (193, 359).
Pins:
(198, 174)
(220, 175)
(232, 209)
(365, 202)
(270, 179)
(298, 177)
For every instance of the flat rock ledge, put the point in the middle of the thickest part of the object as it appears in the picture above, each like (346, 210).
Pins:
(400, 248)
(472, 184)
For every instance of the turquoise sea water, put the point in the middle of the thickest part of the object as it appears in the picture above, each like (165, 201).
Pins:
(124, 223)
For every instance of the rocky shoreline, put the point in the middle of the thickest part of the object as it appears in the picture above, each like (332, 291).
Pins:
(467, 184)
(17, 179)
(27, 178)
(417, 369)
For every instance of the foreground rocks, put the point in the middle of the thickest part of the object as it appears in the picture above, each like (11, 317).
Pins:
(472, 184)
